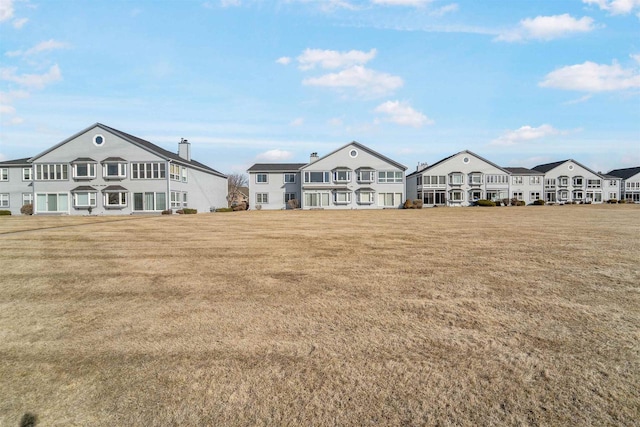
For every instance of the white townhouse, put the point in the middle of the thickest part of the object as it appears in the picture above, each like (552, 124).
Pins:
(569, 181)
(459, 180)
(109, 172)
(351, 177)
(526, 185)
(630, 185)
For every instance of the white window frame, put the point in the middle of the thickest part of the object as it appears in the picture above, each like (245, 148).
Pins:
(534, 180)
(27, 199)
(456, 178)
(27, 174)
(370, 172)
(175, 199)
(155, 202)
(52, 172)
(578, 181)
(323, 199)
(518, 195)
(148, 170)
(535, 195)
(342, 197)
(396, 199)
(38, 208)
(174, 172)
(266, 178)
(292, 177)
(390, 177)
(262, 198)
(326, 175)
(594, 183)
(338, 172)
(4, 200)
(122, 170)
(91, 170)
(122, 199)
(290, 196)
(4, 174)
(92, 199)
(518, 180)
(370, 197)
(475, 178)
(185, 174)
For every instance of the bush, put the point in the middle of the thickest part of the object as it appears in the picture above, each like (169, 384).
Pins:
(258, 207)
(189, 211)
(408, 204)
(520, 203)
(27, 209)
(293, 204)
(497, 203)
(538, 202)
(224, 210)
(622, 201)
(242, 206)
(483, 202)
(5, 213)
(505, 202)
(167, 212)
(612, 201)
(417, 203)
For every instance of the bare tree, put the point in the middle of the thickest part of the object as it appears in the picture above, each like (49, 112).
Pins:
(235, 182)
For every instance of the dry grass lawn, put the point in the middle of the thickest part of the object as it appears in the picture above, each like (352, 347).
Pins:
(474, 316)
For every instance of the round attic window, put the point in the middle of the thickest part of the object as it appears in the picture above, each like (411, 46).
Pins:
(570, 167)
(466, 160)
(98, 140)
(353, 153)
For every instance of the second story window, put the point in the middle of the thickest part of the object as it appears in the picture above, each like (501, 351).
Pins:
(84, 168)
(174, 172)
(114, 169)
(262, 178)
(289, 178)
(316, 177)
(52, 172)
(342, 175)
(475, 178)
(390, 177)
(517, 180)
(456, 178)
(366, 176)
(4, 174)
(534, 180)
(148, 170)
(27, 174)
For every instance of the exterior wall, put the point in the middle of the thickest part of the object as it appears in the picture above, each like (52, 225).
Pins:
(466, 164)
(557, 191)
(372, 194)
(531, 187)
(14, 188)
(611, 189)
(412, 187)
(631, 189)
(275, 188)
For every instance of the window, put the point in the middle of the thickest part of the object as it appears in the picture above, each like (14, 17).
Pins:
(564, 195)
(52, 202)
(613, 196)
(51, 172)
(419, 180)
(475, 195)
(4, 174)
(115, 199)
(4, 200)
(475, 178)
(518, 195)
(578, 195)
(366, 176)
(390, 177)
(389, 199)
(27, 174)
(535, 195)
(289, 178)
(98, 140)
(366, 197)
(176, 199)
(317, 177)
(184, 175)
(563, 181)
(613, 183)
(497, 179)
(289, 196)
(84, 199)
(262, 178)
(353, 153)
(262, 197)
(597, 197)
(342, 176)
(496, 195)
(578, 181)
(342, 197)
(456, 196)
(27, 199)
(534, 180)
(517, 180)
(550, 182)
(184, 199)
(594, 183)
(316, 200)
(456, 178)
(434, 181)
(174, 172)
(148, 171)
(114, 170)
(84, 170)
(149, 201)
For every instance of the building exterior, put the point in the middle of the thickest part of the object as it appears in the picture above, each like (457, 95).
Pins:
(568, 181)
(105, 171)
(526, 184)
(459, 180)
(351, 177)
(630, 183)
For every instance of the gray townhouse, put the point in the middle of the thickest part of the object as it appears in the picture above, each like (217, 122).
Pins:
(630, 185)
(568, 181)
(109, 172)
(462, 179)
(351, 177)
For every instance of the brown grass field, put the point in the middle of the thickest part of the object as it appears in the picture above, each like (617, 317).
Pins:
(472, 316)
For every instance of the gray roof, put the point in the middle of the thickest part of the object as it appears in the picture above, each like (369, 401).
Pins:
(83, 159)
(276, 167)
(17, 162)
(114, 188)
(364, 148)
(453, 155)
(141, 143)
(625, 173)
(84, 188)
(522, 171)
(548, 166)
(113, 159)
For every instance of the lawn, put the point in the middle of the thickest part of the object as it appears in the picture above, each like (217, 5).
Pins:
(470, 316)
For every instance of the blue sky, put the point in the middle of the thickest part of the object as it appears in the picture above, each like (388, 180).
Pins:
(517, 82)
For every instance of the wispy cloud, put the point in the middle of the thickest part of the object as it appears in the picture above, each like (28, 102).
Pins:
(547, 28)
(615, 7)
(39, 48)
(443, 10)
(412, 3)
(526, 134)
(19, 23)
(6, 10)
(275, 155)
(297, 122)
(284, 60)
(332, 59)
(366, 82)
(32, 81)
(402, 114)
(592, 77)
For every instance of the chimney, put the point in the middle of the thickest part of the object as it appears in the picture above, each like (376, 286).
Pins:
(313, 157)
(184, 149)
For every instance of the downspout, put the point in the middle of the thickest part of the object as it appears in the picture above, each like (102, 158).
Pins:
(167, 200)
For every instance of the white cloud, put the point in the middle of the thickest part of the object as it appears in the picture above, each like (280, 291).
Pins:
(229, 3)
(366, 82)
(412, 3)
(275, 155)
(35, 81)
(616, 7)
(332, 59)
(40, 47)
(284, 60)
(580, 100)
(547, 28)
(402, 114)
(592, 77)
(635, 57)
(441, 11)
(19, 23)
(526, 133)
(297, 122)
(6, 10)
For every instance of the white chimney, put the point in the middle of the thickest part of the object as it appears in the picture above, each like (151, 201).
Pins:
(184, 149)
(313, 157)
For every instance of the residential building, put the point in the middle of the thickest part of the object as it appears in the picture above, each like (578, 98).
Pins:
(105, 171)
(525, 185)
(351, 177)
(630, 183)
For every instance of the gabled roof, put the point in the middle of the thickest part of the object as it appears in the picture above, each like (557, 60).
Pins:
(625, 173)
(17, 162)
(363, 148)
(452, 156)
(548, 166)
(159, 151)
(522, 171)
(276, 167)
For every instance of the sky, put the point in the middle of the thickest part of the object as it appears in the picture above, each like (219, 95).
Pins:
(519, 83)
